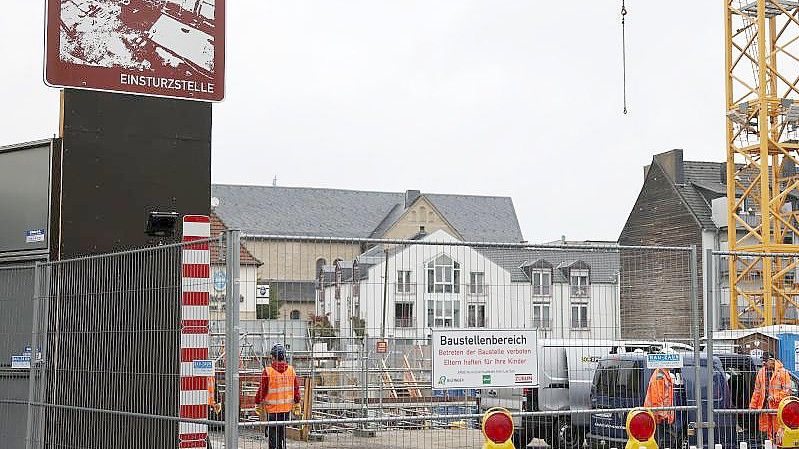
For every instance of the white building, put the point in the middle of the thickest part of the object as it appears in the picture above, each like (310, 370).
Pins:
(564, 294)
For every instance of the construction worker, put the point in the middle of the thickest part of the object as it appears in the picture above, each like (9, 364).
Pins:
(278, 392)
(772, 384)
(660, 393)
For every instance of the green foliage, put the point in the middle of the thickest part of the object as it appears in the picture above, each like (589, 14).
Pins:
(320, 327)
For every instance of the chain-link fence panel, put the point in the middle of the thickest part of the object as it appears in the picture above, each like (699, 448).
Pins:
(113, 336)
(754, 337)
(16, 308)
(362, 322)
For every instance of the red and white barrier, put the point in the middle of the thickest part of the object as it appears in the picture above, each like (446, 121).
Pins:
(194, 341)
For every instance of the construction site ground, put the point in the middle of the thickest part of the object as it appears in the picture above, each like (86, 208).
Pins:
(384, 439)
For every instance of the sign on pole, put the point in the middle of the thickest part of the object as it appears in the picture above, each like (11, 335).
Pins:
(482, 358)
(381, 347)
(166, 48)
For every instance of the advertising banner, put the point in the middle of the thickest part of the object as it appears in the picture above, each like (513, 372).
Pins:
(166, 48)
(483, 358)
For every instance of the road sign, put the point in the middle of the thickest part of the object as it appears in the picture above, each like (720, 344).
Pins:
(172, 48)
(381, 347)
(478, 358)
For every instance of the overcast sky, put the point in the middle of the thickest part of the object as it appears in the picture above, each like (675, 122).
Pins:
(493, 97)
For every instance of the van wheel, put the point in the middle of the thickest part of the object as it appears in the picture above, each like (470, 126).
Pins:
(568, 436)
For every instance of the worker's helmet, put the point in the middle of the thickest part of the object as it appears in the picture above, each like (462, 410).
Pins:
(278, 352)
(767, 356)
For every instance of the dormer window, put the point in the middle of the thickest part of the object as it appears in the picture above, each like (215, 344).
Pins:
(542, 282)
(578, 280)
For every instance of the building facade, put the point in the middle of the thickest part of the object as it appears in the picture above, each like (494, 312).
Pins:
(403, 292)
(263, 212)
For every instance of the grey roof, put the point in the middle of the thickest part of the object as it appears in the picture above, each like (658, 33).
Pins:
(480, 218)
(702, 182)
(603, 265)
(320, 212)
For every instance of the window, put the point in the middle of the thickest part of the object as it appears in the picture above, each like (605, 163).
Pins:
(320, 262)
(541, 315)
(579, 283)
(476, 315)
(620, 379)
(443, 313)
(443, 275)
(403, 314)
(404, 281)
(295, 315)
(579, 316)
(477, 283)
(542, 282)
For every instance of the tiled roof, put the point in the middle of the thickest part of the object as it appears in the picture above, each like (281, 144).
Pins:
(604, 265)
(320, 212)
(218, 227)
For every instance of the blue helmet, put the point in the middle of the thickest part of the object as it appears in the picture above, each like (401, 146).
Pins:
(278, 352)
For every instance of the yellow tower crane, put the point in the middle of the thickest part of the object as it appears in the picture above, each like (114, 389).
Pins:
(762, 73)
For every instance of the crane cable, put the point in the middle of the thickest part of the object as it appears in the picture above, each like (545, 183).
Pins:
(623, 56)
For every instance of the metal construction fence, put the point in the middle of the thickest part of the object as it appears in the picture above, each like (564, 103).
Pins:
(361, 321)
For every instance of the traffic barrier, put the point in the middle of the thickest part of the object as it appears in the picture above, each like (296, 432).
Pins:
(497, 429)
(640, 430)
(788, 419)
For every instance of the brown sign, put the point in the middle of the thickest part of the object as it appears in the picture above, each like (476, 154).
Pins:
(382, 347)
(166, 48)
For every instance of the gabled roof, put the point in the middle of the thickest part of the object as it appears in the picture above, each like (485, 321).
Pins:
(320, 212)
(218, 227)
(702, 184)
(604, 265)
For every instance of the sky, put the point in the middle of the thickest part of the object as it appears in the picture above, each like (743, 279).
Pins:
(518, 98)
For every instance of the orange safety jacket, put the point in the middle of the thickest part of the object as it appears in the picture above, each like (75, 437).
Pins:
(210, 386)
(660, 393)
(779, 387)
(280, 394)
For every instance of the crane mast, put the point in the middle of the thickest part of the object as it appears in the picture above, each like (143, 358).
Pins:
(762, 73)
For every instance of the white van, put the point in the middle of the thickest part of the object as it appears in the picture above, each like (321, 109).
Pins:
(565, 372)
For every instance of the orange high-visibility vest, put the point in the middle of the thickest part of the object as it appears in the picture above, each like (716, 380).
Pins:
(280, 396)
(779, 387)
(210, 386)
(660, 393)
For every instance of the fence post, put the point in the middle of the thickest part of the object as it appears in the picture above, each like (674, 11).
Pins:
(693, 268)
(233, 240)
(710, 307)
(34, 353)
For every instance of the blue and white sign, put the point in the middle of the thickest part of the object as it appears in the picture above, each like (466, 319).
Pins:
(202, 368)
(220, 281)
(669, 360)
(20, 362)
(34, 236)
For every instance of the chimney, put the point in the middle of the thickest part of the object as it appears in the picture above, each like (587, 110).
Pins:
(671, 162)
(410, 197)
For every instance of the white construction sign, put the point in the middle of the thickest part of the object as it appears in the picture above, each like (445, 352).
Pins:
(483, 358)
(670, 360)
